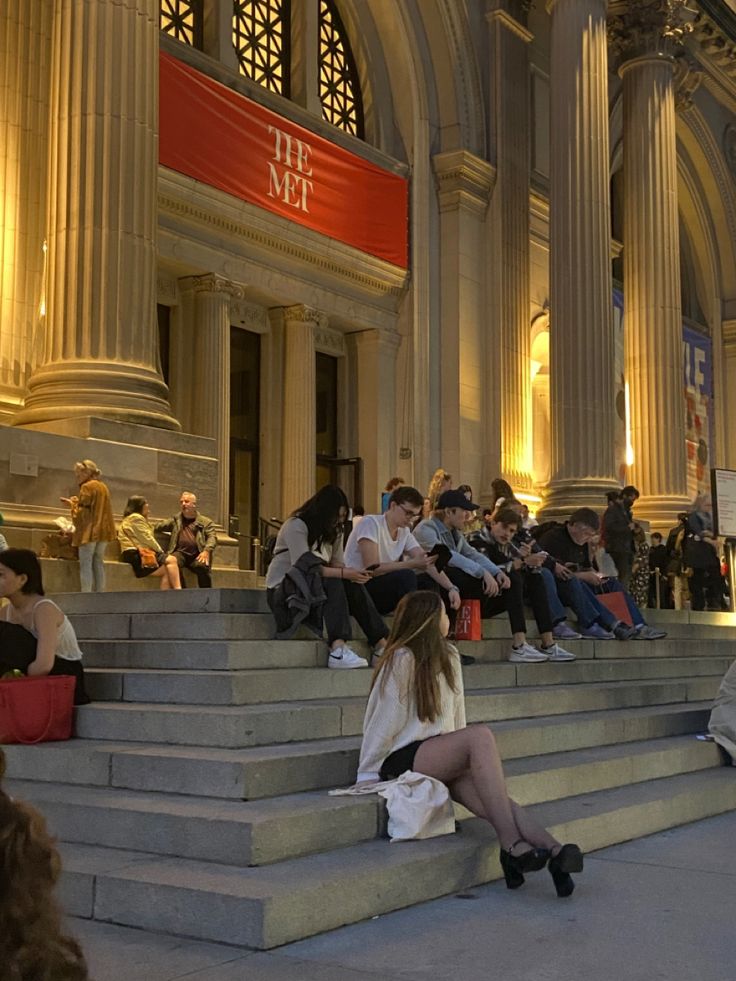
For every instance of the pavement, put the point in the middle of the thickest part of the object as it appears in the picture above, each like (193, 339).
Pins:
(657, 908)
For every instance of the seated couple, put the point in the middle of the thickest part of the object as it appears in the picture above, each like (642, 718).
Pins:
(313, 580)
(496, 574)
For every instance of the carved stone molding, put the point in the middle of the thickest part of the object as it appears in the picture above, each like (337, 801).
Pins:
(166, 292)
(502, 16)
(463, 180)
(329, 341)
(688, 77)
(301, 313)
(251, 316)
(645, 27)
(729, 148)
(211, 283)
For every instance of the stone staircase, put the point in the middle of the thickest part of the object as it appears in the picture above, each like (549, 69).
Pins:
(193, 801)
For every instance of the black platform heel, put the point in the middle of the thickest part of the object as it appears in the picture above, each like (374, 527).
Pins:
(514, 866)
(568, 859)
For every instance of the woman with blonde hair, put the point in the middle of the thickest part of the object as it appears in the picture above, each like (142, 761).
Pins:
(415, 720)
(33, 946)
(439, 483)
(94, 525)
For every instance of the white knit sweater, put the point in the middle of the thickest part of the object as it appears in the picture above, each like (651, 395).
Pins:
(391, 718)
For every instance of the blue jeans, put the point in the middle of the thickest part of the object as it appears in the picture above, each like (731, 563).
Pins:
(556, 606)
(91, 567)
(582, 601)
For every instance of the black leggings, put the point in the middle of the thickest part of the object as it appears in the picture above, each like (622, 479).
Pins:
(346, 599)
(18, 650)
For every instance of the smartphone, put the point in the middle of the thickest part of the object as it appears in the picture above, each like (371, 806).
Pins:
(443, 556)
(572, 566)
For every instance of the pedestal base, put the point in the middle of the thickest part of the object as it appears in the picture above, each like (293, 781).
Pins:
(565, 496)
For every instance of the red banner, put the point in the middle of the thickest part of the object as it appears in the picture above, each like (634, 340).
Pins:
(217, 136)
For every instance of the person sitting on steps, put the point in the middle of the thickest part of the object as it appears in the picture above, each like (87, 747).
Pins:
(136, 533)
(415, 720)
(192, 540)
(35, 635)
(316, 527)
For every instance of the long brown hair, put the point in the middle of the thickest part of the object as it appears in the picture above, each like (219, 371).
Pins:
(416, 627)
(32, 944)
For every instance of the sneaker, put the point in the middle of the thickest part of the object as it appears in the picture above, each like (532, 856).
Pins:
(563, 631)
(596, 632)
(556, 653)
(344, 657)
(526, 654)
(622, 631)
(466, 659)
(645, 632)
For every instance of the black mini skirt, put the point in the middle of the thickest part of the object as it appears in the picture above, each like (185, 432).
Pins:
(400, 760)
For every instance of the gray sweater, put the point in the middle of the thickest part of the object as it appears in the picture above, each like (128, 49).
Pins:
(433, 531)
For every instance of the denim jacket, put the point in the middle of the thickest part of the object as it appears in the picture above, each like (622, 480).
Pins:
(434, 531)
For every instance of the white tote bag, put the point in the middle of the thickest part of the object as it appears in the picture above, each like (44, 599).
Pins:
(418, 807)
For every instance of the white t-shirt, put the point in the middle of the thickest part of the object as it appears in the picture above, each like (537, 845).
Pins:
(373, 528)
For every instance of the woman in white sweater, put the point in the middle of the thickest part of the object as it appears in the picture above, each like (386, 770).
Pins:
(415, 720)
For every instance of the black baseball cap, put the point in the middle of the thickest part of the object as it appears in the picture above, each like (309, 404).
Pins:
(456, 499)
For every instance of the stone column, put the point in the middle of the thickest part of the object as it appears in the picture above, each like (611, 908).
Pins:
(375, 374)
(728, 388)
(581, 320)
(25, 42)
(208, 398)
(508, 358)
(299, 442)
(652, 310)
(464, 184)
(101, 356)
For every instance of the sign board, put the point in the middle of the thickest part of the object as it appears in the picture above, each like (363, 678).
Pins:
(218, 136)
(723, 491)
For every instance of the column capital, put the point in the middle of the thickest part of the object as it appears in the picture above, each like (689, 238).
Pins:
(646, 28)
(387, 341)
(688, 76)
(728, 333)
(302, 314)
(211, 283)
(463, 180)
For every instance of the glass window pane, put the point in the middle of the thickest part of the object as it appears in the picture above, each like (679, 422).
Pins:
(182, 19)
(339, 86)
(261, 35)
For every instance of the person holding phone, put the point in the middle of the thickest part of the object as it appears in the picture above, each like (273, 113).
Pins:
(384, 547)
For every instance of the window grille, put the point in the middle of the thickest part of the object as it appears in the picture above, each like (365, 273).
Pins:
(339, 87)
(261, 40)
(182, 19)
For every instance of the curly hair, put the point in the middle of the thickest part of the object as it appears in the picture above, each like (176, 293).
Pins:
(33, 946)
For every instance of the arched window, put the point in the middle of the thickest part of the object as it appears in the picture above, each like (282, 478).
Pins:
(182, 19)
(261, 40)
(339, 88)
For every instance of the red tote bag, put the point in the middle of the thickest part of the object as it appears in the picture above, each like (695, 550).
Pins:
(467, 623)
(615, 603)
(36, 710)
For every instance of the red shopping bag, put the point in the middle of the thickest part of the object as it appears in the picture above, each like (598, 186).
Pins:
(467, 622)
(616, 604)
(36, 710)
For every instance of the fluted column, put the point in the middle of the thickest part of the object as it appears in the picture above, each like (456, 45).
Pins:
(464, 184)
(375, 374)
(510, 346)
(25, 41)
(208, 398)
(299, 445)
(652, 306)
(581, 322)
(101, 355)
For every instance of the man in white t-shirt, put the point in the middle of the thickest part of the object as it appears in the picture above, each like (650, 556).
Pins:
(383, 545)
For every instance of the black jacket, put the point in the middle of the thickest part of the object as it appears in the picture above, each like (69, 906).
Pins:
(616, 534)
(299, 598)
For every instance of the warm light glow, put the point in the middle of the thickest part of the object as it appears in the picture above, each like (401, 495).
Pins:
(629, 446)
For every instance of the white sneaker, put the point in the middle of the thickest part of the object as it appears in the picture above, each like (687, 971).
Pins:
(556, 653)
(345, 657)
(526, 654)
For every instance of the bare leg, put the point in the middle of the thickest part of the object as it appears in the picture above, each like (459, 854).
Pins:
(468, 760)
(172, 573)
(160, 573)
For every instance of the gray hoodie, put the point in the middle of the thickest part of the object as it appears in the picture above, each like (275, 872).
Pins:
(434, 531)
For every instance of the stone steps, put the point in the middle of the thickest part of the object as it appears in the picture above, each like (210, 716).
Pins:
(252, 687)
(236, 726)
(277, 829)
(61, 576)
(272, 905)
(277, 770)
